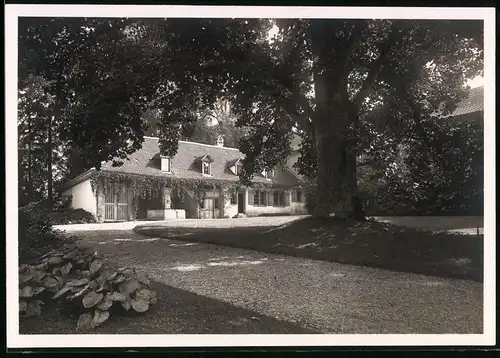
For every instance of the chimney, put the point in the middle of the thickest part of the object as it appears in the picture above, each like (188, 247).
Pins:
(220, 141)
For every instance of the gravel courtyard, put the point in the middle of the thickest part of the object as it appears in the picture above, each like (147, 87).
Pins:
(187, 223)
(324, 296)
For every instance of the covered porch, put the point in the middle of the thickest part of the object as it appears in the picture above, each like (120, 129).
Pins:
(119, 200)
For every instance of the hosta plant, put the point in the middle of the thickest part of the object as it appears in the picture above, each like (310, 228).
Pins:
(83, 280)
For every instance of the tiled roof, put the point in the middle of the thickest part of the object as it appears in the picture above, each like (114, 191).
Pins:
(186, 165)
(233, 162)
(473, 103)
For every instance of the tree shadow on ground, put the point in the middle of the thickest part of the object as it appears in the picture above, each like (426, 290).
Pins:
(368, 243)
(176, 312)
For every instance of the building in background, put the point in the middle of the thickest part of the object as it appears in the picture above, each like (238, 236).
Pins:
(211, 167)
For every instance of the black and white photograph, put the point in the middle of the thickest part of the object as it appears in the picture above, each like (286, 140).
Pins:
(249, 176)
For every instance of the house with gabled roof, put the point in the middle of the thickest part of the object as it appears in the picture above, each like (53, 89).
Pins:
(200, 181)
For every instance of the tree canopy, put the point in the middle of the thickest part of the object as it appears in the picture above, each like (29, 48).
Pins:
(347, 87)
(206, 128)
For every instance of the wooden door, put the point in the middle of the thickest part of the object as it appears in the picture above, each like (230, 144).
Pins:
(121, 202)
(241, 203)
(208, 208)
(116, 202)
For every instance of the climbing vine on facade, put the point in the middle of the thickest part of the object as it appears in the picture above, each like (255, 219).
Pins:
(143, 186)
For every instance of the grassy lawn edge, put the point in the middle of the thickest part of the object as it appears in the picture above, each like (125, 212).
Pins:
(372, 244)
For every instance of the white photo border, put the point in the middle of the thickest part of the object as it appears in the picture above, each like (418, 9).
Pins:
(15, 340)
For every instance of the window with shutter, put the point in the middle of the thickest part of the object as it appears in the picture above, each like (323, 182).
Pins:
(251, 200)
(294, 195)
(287, 198)
(262, 198)
(299, 196)
(239, 168)
(270, 198)
(233, 199)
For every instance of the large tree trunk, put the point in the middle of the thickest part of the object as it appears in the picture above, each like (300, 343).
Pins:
(334, 117)
(337, 187)
(350, 204)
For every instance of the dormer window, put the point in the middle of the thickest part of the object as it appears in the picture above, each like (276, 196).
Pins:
(235, 166)
(239, 168)
(206, 164)
(166, 164)
(206, 168)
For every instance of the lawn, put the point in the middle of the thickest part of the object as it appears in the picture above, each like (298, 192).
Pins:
(372, 244)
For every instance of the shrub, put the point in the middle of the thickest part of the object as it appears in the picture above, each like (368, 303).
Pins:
(66, 216)
(84, 282)
(35, 234)
(66, 201)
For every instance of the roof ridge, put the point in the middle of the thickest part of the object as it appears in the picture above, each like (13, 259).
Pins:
(202, 144)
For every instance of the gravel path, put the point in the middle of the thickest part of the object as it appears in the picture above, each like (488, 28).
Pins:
(188, 223)
(325, 296)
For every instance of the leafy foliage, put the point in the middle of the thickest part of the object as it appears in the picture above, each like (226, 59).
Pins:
(205, 127)
(450, 183)
(347, 86)
(376, 83)
(75, 66)
(83, 282)
(35, 131)
(35, 233)
(219, 121)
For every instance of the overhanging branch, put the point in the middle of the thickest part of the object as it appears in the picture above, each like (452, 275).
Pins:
(375, 68)
(356, 34)
(303, 103)
(305, 119)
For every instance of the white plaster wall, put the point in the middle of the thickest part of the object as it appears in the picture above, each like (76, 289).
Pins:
(166, 214)
(293, 208)
(83, 197)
